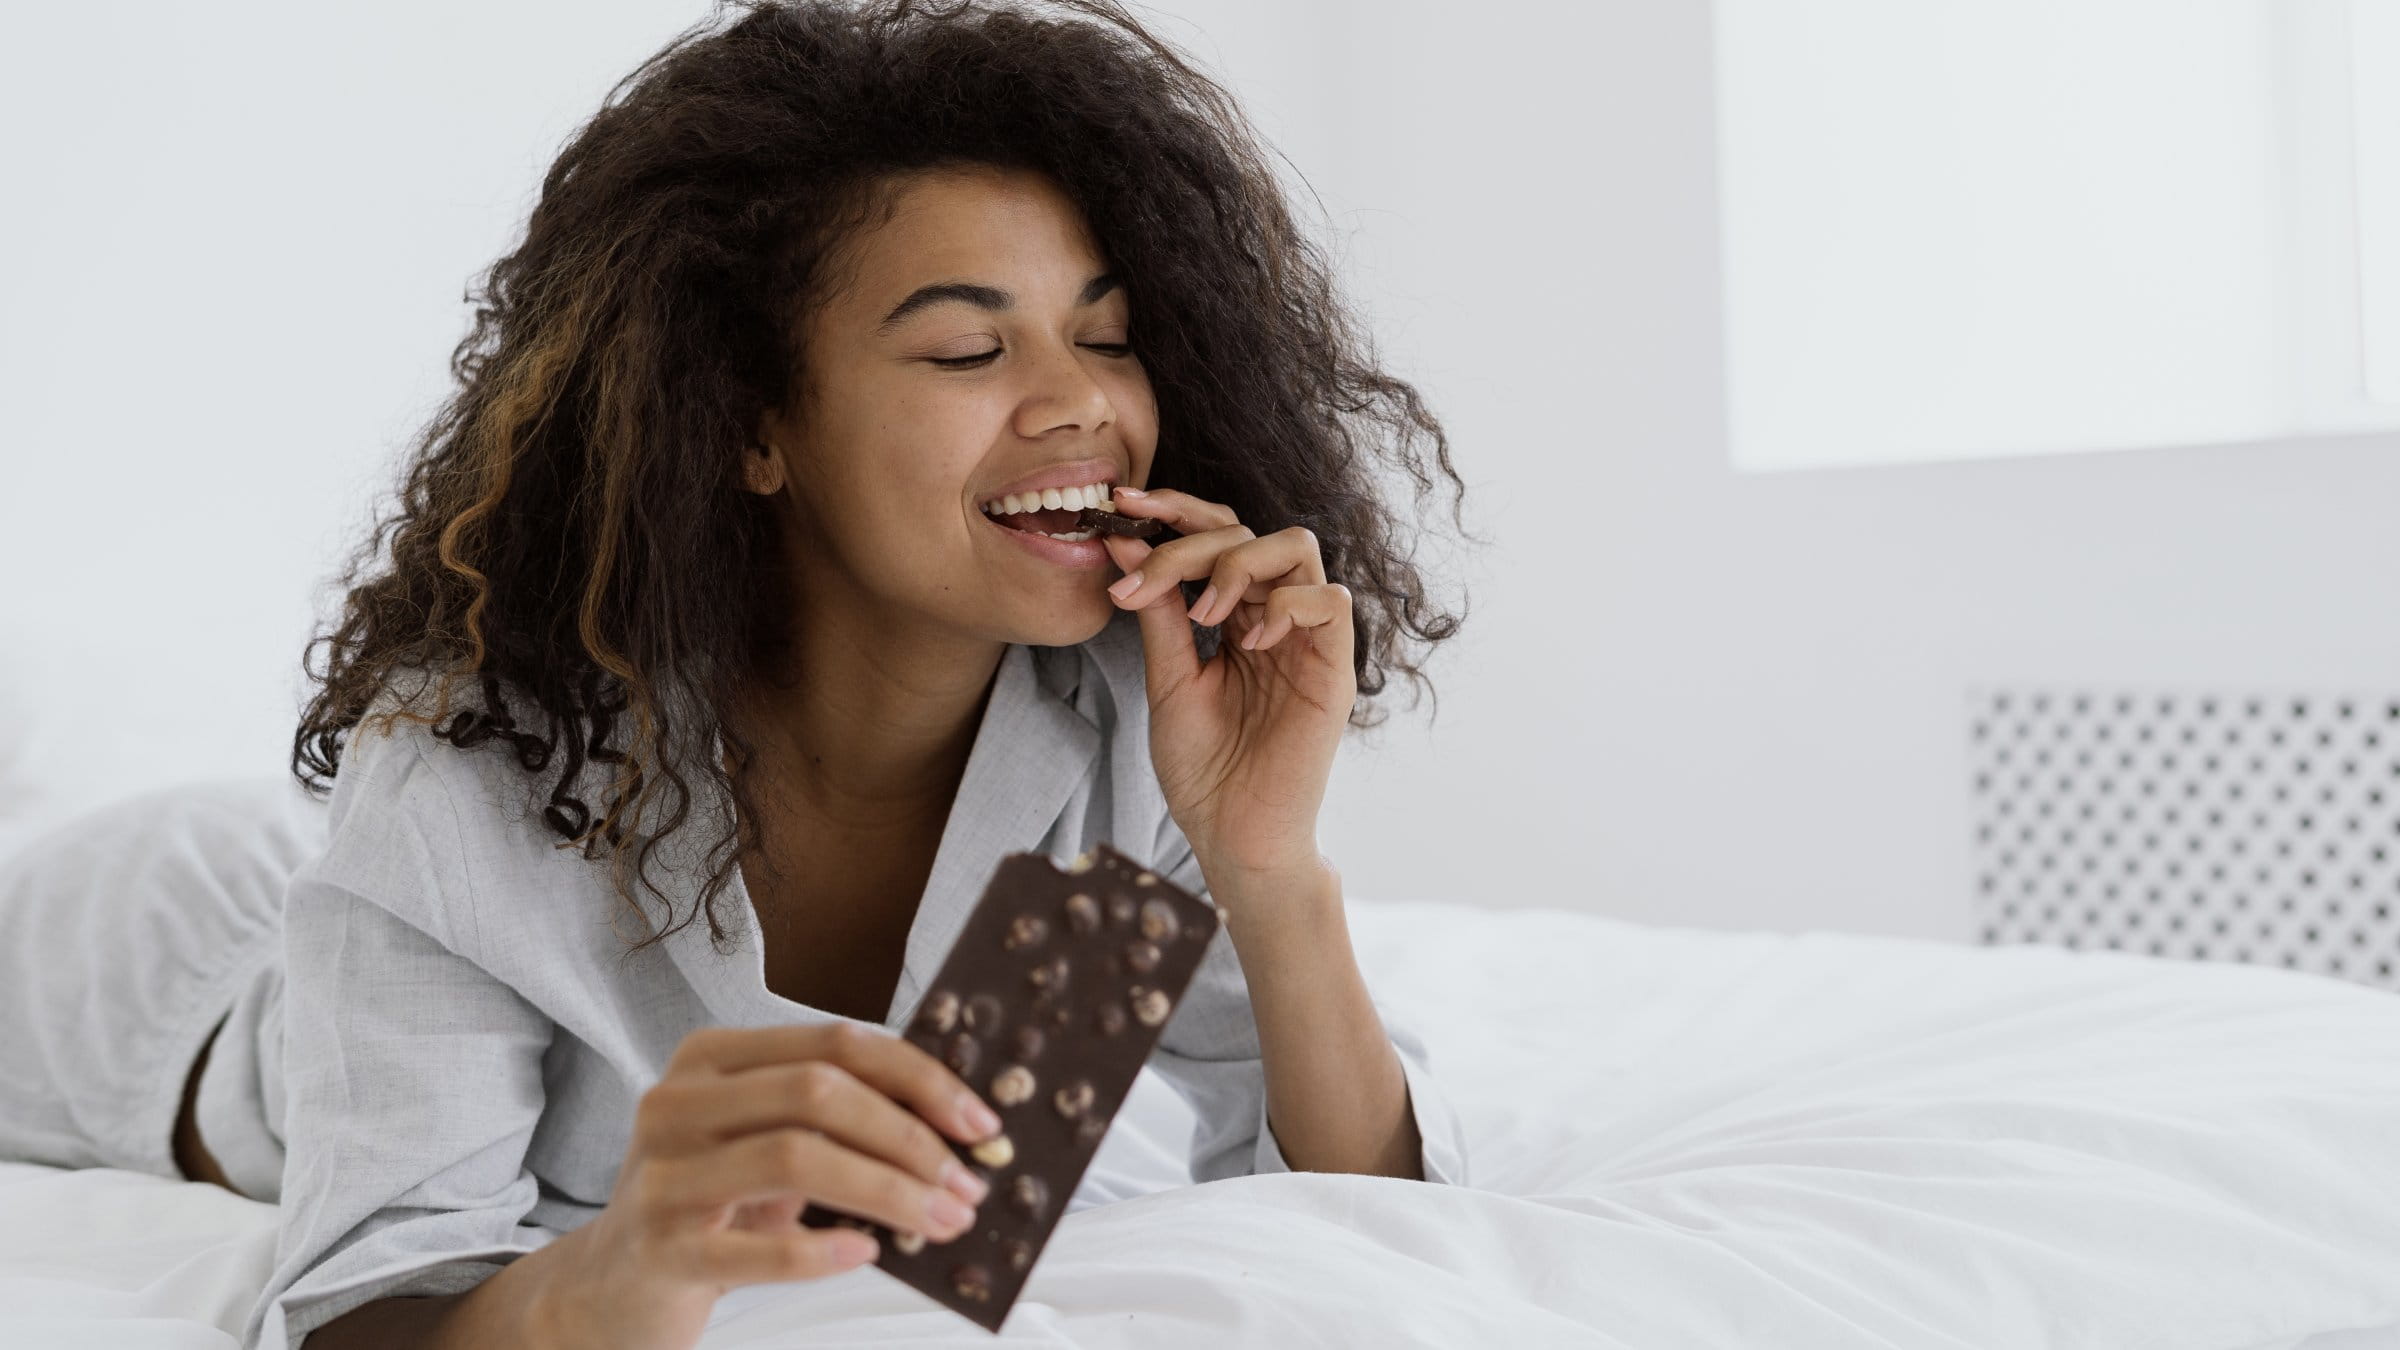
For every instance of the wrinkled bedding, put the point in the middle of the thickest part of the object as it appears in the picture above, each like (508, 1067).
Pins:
(1678, 1137)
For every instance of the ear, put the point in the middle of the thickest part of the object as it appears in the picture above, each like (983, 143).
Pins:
(762, 470)
(762, 463)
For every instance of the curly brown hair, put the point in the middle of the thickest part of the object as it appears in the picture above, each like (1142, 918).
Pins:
(569, 516)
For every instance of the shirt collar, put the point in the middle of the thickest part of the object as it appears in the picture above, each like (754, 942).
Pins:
(1031, 750)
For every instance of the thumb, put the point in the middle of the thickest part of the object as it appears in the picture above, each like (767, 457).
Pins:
(1168, 654)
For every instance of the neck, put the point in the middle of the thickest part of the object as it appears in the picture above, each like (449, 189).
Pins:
(872, 739)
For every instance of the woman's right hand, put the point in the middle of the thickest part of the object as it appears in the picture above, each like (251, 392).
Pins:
(747, 1127)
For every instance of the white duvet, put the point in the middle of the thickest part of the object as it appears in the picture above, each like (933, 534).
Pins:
(1677, 1137)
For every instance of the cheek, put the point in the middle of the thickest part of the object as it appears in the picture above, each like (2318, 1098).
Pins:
(1140, 431)
(1137, 404)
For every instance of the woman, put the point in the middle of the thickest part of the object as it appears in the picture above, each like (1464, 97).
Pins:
(720, 569)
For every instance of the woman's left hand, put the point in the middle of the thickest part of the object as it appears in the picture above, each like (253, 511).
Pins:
(1244, 745)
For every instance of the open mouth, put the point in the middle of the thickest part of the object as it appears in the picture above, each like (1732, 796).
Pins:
(1058, 524)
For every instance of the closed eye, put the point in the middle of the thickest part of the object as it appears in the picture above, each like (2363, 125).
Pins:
(981, 358)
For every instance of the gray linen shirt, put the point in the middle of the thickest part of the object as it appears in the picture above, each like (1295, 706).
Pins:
(464, 1049)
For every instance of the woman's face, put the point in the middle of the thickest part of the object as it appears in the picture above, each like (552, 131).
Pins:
(891, 455)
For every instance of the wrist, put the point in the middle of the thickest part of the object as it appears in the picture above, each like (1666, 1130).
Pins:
(1312, 875)
(555, 1312)
(1295, 908)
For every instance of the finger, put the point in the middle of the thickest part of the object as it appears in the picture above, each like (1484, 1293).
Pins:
(1323, 610)
(1169, 656)
(769, 1216)
(1253, 570)
(804, 1162)
(732, 1258)
(1246, 617)
(1187, 513)
(1166, 567)
(889, 1062)
(712, 1109)
(1127, 553)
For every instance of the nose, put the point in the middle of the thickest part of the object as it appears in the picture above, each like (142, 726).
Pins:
(1064, 391)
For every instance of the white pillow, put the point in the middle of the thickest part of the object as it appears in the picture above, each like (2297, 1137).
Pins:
(239, 840)
(214, 855)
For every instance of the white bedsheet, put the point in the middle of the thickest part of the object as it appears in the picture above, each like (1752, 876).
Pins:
(1679, 1137)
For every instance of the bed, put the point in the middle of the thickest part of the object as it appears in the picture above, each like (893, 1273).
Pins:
(1678, 1137)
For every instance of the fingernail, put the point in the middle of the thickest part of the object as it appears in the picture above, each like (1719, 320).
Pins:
(1200, 606)
(1131, 582)
(948, 1211)
(979, 1117)
(1131, 492)
(969, 1187)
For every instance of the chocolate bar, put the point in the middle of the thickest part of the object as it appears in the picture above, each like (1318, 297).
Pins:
(1048, 1005)
(1112, 522)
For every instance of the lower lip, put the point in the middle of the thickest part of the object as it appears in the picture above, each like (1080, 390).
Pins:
(1087, 553)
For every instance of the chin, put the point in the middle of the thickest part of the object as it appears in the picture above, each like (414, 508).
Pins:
(1068, 629)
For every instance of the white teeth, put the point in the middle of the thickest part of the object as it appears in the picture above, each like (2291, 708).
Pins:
(1076, 538)
(1088, 496)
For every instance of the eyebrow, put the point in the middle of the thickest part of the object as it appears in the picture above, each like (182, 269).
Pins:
(982, 297)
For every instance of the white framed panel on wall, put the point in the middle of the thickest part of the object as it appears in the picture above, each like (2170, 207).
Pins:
(2375, 85)
(1966, 228)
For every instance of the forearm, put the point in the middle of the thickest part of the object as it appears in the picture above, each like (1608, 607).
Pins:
(511, 1308)
(1337, 1100)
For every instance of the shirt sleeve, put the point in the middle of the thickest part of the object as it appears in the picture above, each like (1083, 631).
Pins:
(1210, 1053)
(414, 1076)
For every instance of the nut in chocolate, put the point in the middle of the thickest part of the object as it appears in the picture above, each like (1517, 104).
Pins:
(1048, 1005)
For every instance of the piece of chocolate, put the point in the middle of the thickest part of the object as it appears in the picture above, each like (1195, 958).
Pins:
(1052, 1023)
(1114, 522)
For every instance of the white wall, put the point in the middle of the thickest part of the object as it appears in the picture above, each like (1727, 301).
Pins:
(239, 236)
(1694, 696)
(237, 239)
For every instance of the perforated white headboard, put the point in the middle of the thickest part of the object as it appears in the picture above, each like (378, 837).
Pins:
(2207, 825)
